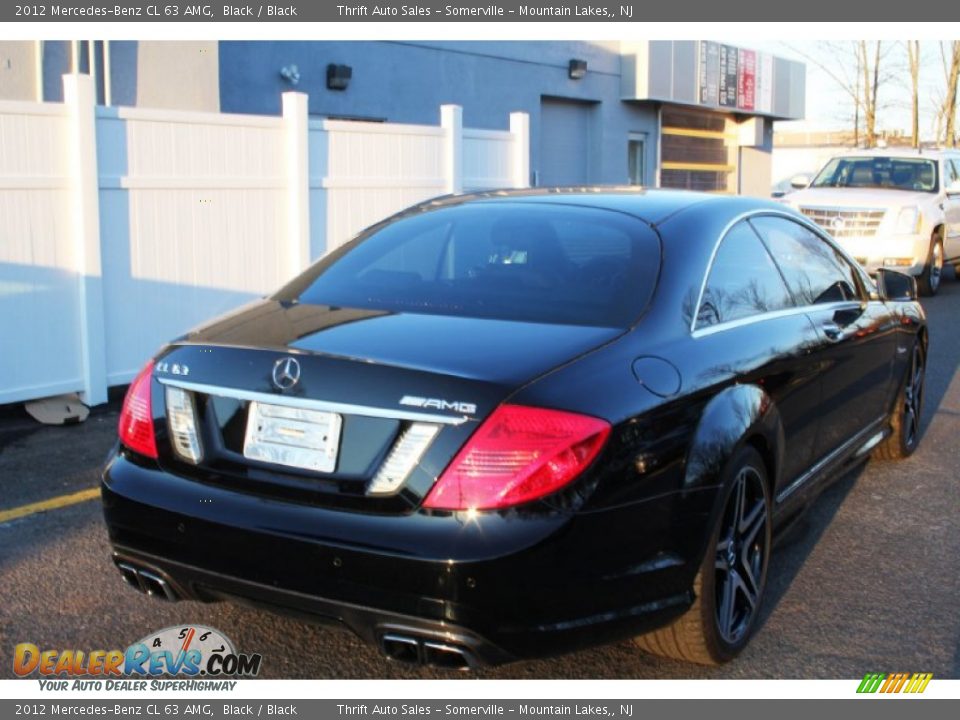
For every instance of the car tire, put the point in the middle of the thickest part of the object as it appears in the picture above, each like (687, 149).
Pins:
(905, 417)
(732, 577)
(929, 280)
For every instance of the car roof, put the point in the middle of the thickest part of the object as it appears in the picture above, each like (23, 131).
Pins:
(652, 205)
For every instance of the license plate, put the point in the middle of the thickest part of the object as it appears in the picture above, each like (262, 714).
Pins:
(296, 437)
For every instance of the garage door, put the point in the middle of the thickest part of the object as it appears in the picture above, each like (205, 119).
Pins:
(564, 142)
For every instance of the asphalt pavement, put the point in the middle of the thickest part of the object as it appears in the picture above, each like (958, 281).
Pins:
(869, 581)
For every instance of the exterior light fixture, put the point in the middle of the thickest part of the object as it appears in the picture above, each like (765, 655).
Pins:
(578, 68)
(338, 76)
(290, 73)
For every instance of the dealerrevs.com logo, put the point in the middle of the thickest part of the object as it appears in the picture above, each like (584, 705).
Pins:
(192, 651)
(887, 683)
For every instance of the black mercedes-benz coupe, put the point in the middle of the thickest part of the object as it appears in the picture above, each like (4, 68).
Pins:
(514, 424)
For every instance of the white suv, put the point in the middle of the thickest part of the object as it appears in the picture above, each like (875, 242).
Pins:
(897, 209)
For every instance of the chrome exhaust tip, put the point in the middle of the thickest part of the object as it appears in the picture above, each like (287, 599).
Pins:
(145, 581)
(400, 648)
(441, 655)
(130, 576)
(156, 586)
(416, 651)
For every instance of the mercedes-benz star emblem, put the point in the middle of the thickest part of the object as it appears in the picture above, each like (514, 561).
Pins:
(838, 223)
(286, 373)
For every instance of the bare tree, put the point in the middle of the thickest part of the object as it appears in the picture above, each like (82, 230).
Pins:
(948, 111)
(871, 84)
(913, 56)
(859, 68)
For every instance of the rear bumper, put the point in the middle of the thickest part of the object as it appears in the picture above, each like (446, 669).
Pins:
(501, 586)
(372, 625)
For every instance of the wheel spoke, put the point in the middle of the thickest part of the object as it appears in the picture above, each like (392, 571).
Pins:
(752, 561)
(749, 594)
(727, 604)
(910, 423)
(752, 523)
(723, 548)
(740, 490)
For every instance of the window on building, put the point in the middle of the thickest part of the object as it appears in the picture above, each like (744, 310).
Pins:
(636, 158)
(696, 152)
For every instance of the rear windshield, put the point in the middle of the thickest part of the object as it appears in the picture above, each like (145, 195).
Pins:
(529, 262)
(891, 173)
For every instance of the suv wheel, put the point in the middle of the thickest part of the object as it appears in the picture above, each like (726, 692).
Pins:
(929, 280)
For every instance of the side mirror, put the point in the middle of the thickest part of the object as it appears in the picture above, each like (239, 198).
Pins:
(799, 182)
(954, 188)
(896, 286)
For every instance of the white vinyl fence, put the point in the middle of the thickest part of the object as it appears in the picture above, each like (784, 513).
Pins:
(121, 228)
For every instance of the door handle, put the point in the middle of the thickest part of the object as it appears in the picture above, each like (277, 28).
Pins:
(832, 331)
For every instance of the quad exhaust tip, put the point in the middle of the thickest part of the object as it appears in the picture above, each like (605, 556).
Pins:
(146, 581)
(402, 648)
(419, 651)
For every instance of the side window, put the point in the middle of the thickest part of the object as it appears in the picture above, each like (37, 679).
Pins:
(815, 272)
(953, 171)
(743, 281)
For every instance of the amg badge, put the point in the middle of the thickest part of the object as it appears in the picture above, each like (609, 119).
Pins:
(438, 404)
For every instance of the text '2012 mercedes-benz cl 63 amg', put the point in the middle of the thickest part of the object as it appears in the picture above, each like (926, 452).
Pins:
(514, 424)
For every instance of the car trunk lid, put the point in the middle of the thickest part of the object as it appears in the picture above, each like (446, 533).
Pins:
(365, 392)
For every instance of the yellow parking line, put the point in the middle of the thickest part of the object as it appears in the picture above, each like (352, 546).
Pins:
(51, 504)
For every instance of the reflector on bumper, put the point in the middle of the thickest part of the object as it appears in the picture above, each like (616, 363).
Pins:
(182, 420)
(404, 456)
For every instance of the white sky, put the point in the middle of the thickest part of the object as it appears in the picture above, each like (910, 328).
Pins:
(830, 107)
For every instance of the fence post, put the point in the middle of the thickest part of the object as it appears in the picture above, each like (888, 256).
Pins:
(520, 152)
(296, 138)
(451, 120)
(319, 148)
(79, 100)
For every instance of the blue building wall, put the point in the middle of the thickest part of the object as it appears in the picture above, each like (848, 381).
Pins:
(123, 72)
(408, 81)
(56, 63)
(123, 69)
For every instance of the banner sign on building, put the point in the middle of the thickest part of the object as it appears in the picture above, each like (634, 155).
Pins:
(728, 76)
(747, 80)
(736, 78)
(764, 82)
(709, 73)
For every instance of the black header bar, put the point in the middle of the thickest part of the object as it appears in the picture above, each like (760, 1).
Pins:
(478, 11)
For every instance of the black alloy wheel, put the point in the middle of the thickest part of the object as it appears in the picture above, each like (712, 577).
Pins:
(741, 556)
(907, 410)
(730, 583)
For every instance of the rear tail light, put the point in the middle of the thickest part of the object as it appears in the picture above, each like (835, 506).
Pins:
(517, 455)
(182, 421)
(136, 417)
